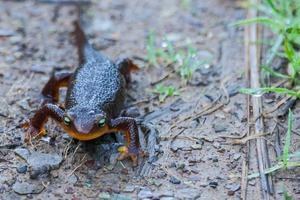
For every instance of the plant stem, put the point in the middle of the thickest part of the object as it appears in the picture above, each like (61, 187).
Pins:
(274, 49)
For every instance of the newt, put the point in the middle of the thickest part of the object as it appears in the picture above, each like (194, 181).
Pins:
(94, 99)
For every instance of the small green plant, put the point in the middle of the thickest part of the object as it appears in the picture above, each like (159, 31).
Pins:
(151, 49)
(188, 63)
(287, 196)
(185, 4)
(282, 16)
(184, 60)
(284, 161)
(165, 91)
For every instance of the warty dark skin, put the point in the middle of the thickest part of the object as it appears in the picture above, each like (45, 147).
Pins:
(94, 99)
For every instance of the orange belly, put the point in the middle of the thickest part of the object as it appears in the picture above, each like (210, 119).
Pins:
(89, 136)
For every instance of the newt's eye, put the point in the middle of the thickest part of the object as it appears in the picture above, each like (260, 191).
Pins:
(67, 120)
(102, 122)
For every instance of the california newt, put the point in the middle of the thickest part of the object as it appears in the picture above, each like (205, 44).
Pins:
(94, 99)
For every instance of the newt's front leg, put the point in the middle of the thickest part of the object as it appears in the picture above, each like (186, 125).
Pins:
(129, 127)
(36, 123)
(51, 89)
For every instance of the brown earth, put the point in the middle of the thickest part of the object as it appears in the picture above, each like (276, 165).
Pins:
(193, 158)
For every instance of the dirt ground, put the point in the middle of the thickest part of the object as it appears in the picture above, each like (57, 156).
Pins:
(191, 156)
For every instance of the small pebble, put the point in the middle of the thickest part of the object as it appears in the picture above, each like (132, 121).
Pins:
(196, 146)
(161, 174)
(213, 184)
(129, 188)
(104, 196)
(217, 145)
(27, 188)
(236, 156)
(203, 184)
(143, 194)
(22, 169)
(172, 165)
(120, 197)
(220, 127)
(232, 188)
(72, 179)
(7, 32)
(174, 180)
(2, 189)
(166, 193)
(69, 190)
(10, 59)
(252, 182)
(215, 159)
(181, 166)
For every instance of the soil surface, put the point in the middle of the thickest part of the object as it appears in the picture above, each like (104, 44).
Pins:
(191, 155)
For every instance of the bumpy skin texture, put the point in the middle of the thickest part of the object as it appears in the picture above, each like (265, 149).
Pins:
(97, 84)
(95, 97)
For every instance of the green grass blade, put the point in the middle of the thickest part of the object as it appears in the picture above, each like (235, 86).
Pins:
(271, 4)
(261, 91)
(151, 48)
(274, 73)
(274, 50)
(267, 171)
(261, 20)
(287, 196)
(289, 50)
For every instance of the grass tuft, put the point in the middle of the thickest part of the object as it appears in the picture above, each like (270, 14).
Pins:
(184, 60)
(165, 91)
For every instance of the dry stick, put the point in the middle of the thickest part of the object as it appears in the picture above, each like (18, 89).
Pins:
(248, 138)
(206, 110)
(261, 145)
(82, 162)
(280, 103)
(67, 149)
(163, 78)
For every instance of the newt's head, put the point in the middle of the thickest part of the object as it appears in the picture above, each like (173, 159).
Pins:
(85, 124)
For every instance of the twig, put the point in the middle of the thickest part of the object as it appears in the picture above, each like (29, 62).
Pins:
(147, 100)
(162, 78)
(207, 110)
(283, 126)
(250, 137)
(244, 181)
(261, 145)
(122, 165)
(75, 151)
(82, 162)
(282, 101)
(245, 169)
(67, 149)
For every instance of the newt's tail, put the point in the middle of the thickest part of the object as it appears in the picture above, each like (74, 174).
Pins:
(85, 51)
(81, 41)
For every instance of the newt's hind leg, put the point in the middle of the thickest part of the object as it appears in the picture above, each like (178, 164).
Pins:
(51, 89)
(36, 123)
(129, 127)
(126, 66)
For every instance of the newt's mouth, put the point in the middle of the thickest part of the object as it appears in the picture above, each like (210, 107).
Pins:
(88, 136)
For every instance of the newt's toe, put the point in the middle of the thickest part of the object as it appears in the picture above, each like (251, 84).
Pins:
(33, 133)
(124, 153)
